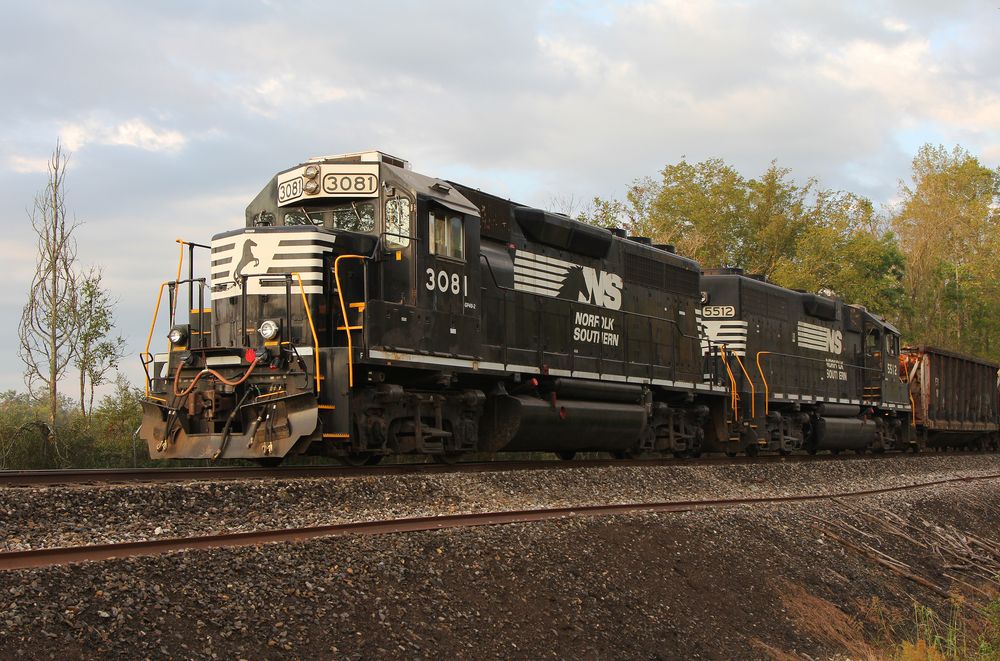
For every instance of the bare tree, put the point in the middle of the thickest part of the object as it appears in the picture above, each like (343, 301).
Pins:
(47, 331)
(96, 353)
(567, 204)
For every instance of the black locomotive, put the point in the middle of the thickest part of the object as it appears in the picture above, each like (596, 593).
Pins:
(368, 310)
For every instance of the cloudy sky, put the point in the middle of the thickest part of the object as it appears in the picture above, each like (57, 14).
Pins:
(177, 113)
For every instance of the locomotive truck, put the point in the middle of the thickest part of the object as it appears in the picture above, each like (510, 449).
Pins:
(367, 310)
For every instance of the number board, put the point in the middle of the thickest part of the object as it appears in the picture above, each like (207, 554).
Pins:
(333, 180)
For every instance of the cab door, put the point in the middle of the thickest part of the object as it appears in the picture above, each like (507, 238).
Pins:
(448, 280)
(874, 367)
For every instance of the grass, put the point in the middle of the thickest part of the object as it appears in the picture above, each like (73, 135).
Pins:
(969, 633)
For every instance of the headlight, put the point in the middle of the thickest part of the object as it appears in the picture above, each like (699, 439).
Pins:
(268, 330)
(311, 187)
(311, 171)
(177, 335)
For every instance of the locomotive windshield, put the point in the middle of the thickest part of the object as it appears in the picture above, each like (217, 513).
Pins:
(351, 216)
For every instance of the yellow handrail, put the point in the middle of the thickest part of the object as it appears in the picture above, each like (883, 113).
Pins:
(753, 392)
(312, 328)
(763, 378)
(180, 264)
(732, 381)
(152, 325)
(343, 311)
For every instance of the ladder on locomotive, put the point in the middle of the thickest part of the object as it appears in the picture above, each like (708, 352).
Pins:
(740, 409)
(349, 327)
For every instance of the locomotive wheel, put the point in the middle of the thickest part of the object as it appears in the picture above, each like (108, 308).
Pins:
(566, 455)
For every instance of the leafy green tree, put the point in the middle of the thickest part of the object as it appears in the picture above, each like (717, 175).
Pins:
(845, 252)
(949, 228)
(796, 234)
(96, 353)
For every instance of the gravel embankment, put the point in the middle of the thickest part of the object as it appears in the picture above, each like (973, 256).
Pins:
(740, 583)
(66, 516)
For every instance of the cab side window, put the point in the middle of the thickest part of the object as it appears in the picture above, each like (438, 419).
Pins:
(447, 235)
(397, 222)
(892, 344)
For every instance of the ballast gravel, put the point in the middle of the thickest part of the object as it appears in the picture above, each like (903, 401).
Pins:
(32, 517)
(741, 583)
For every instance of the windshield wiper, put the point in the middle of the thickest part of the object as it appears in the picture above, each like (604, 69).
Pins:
(308, 217)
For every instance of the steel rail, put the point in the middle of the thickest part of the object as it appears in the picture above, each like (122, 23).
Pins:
(45, 557)
(98, 476)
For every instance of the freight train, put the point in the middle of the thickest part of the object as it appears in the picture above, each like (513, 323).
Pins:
(367, 310)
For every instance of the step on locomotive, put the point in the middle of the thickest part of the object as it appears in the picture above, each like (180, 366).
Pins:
(367, 310)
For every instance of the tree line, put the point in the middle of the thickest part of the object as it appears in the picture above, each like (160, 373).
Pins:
(926, 262)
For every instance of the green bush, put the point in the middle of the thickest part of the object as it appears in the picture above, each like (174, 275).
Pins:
(105, 438)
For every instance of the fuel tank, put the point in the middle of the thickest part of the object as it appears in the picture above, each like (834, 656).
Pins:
(527, 423)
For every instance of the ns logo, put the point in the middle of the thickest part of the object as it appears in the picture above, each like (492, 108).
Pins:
(594, 287)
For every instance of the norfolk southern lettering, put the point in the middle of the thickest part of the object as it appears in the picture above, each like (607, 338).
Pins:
(595, 328)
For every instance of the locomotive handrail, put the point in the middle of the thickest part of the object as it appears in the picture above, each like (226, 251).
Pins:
(753, 391)
(145, 357)
(191, 246)
(732, 381)
(174, 287)
(312, 328)
(343, 311)
(149, 339)
(763, 378)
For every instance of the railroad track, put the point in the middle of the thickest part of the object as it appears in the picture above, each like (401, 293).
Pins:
(20, 478)
(45, 557)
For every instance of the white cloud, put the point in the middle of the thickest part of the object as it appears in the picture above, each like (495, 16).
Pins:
(28, 164)
(130, 133)
(278, 94)
(894, 25)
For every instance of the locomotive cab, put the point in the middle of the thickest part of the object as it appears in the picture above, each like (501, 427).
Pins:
(879, 359)
(344, 261)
